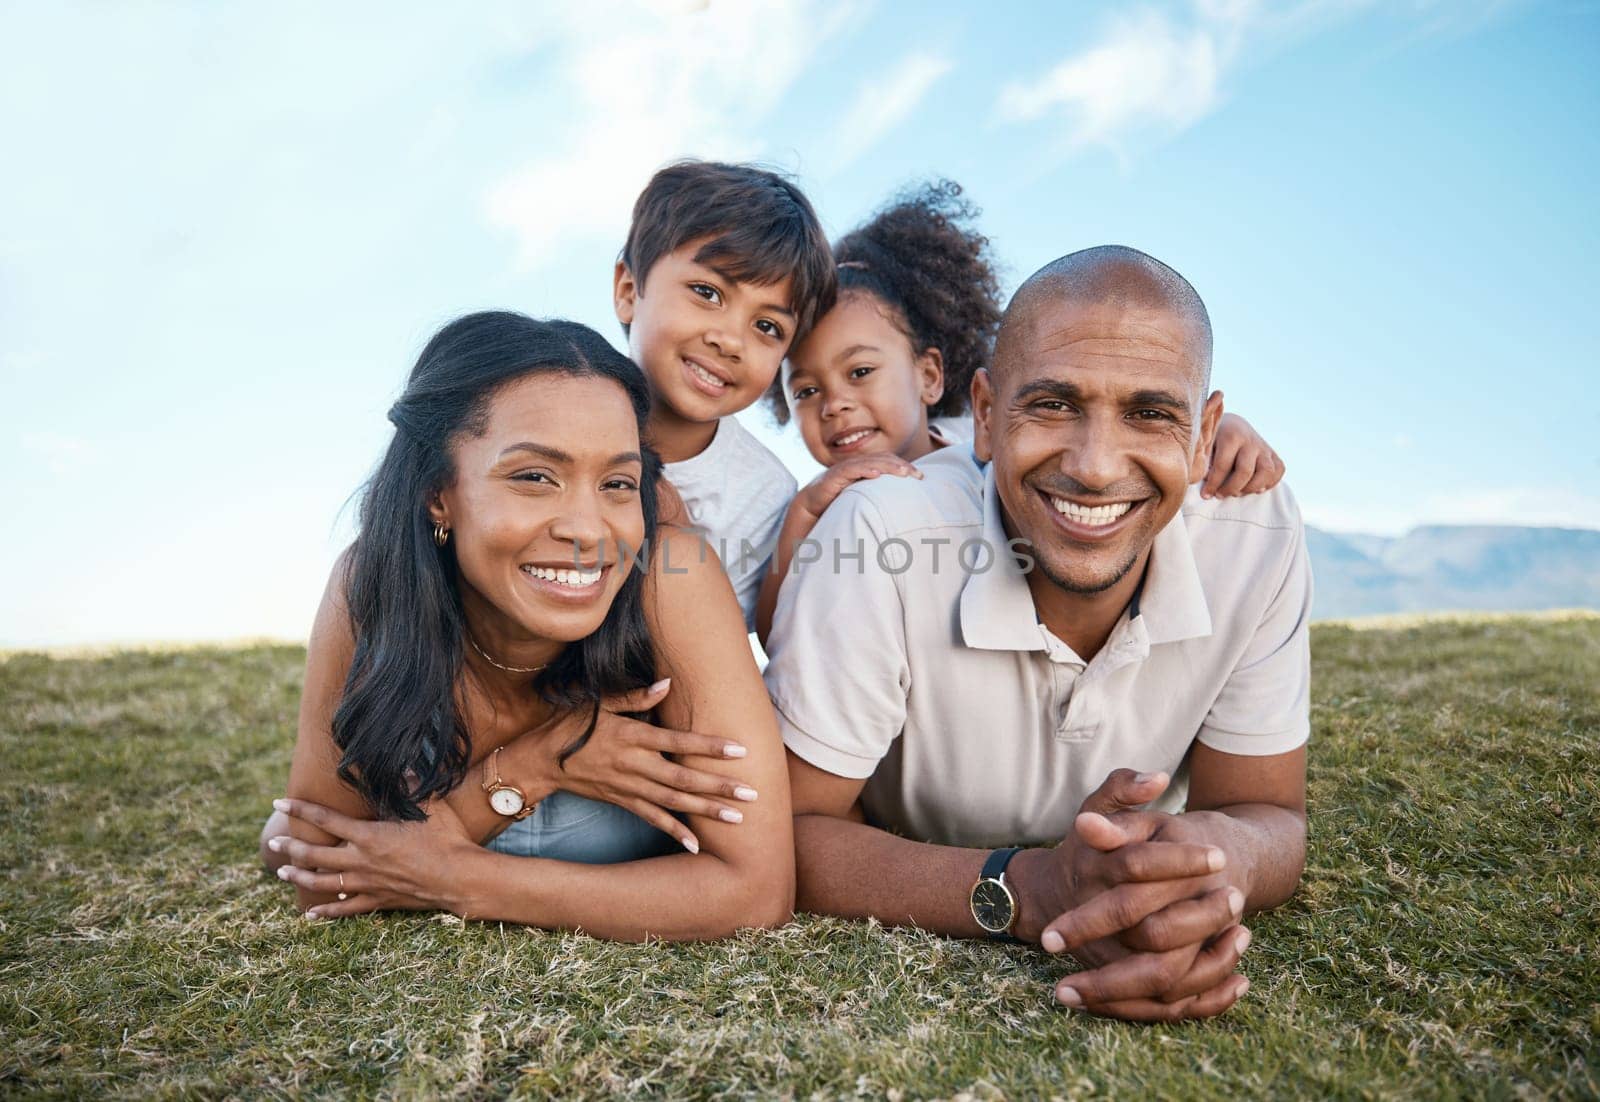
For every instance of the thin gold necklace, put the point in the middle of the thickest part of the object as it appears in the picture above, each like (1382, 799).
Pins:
(498, 666)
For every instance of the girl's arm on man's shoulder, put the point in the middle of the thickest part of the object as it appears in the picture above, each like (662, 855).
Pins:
(804, 512)
(1242, 462)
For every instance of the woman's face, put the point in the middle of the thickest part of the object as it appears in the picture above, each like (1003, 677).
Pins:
(544, 513)
(855, 386)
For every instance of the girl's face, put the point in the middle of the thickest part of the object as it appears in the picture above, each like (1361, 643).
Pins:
(544, 513)
(855, 386)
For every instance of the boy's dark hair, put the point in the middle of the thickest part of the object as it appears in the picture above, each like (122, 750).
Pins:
(760, 224)
(920, 257)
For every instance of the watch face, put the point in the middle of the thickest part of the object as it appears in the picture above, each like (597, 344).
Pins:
(507, 801)
(992, 906)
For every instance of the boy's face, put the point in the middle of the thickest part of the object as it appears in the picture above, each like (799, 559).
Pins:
(709, 344)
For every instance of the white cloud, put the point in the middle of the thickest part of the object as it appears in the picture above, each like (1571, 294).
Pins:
(1147, 71)
(1158, 71)
(884, 103)
(644, 86)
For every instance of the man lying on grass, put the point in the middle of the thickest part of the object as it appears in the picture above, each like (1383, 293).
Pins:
(960, 660)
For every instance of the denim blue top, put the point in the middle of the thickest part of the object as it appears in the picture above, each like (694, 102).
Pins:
(565, 827)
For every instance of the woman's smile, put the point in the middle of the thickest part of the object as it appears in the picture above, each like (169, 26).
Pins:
(572, 585)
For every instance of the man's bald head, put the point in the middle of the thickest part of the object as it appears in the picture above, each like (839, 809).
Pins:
(1110, 275)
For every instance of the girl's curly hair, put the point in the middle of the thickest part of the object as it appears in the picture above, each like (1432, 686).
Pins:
(921, 258)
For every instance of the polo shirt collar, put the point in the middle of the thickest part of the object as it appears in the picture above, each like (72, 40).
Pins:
(997, 610)
(1173, 603)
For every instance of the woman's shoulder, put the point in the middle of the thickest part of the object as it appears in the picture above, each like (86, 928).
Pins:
(687, 588)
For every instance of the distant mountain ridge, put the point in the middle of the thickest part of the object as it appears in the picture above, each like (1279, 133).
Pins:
(1448, 567)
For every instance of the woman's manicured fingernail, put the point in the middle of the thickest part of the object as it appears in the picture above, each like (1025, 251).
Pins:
(659, 685)
(729, 815)
(344, 895)
(275, 844)
(734, 750)
(1244, 988)
(691, 845)
(1242, 942)
(283, 872)
(1052, 942)
(1216, 860)
(313, 915)
(1069, 996)
(745, 793)
(281, 805)
(1236, 901)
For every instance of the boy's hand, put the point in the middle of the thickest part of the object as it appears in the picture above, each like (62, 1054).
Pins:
(819, 493)
(1241, 461)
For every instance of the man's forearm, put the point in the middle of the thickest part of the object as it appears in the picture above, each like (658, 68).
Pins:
(853, 870)
(1266, 848)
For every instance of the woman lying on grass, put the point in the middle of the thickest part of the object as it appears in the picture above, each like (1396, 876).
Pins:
(508, 595)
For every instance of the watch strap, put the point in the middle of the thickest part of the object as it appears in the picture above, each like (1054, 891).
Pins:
(994, 868)
(492, 763)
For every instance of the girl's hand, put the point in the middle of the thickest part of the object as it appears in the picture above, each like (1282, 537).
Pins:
(625, 763)
(815, 498)
(376, 866)
(1241, 461)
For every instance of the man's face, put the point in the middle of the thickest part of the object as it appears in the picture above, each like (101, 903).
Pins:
(710, 344)
(1096, 426)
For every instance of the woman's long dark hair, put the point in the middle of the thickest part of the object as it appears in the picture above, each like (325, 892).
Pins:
(399, 723)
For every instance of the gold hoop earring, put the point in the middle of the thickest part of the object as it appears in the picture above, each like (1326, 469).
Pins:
(441, 535)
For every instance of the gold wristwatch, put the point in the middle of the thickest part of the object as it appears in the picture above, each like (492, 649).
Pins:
(506, 799)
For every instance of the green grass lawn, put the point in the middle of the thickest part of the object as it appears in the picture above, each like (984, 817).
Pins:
(1444, 942)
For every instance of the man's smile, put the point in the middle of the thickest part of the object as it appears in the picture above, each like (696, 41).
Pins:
(1091, 522)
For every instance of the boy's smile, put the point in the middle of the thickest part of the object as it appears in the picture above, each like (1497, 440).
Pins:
(709, 344)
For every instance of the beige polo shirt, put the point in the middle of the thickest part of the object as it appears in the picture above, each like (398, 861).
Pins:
(922, 667)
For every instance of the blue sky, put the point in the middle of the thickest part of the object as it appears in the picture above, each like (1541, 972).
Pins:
(226, 230)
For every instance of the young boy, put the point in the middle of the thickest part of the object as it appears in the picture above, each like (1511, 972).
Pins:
(725, 266)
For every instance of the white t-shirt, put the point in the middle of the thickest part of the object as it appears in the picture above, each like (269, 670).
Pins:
(952, 430)
(905, 652)
(736, 492)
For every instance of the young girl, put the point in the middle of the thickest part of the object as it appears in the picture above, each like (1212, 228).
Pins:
(883, 378)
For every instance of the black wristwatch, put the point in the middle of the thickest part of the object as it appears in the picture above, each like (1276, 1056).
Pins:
(994, 904)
